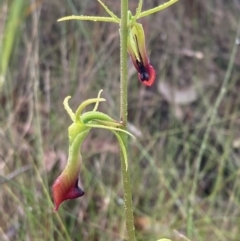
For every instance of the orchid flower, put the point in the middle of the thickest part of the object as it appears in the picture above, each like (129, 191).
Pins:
(137, 52)
(66, 185)
(136, 37)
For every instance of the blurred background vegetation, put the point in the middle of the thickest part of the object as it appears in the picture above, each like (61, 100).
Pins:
(42, 61)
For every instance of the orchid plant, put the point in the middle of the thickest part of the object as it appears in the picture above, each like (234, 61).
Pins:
(132, 40)
(135, 37)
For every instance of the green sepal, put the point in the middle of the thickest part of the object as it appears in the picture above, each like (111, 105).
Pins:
(74, 129)
(96, 115)
(136, 41)
(123, 148)
(75, 142)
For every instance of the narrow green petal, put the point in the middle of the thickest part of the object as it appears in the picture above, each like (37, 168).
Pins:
(111, 128)
(89, 18)
(156, 9)
(97, 103)
(68, 109)
(122, 147)
(138, 10)
(112, 123)
(132, 46)
(109, 11)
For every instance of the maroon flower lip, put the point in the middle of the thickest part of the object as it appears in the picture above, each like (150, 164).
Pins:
(146, 74)
(64, 188)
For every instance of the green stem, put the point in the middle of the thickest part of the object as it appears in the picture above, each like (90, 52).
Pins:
(123, 61)
(123, 114)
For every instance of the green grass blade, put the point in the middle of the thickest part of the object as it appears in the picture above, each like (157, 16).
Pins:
(14, 19)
